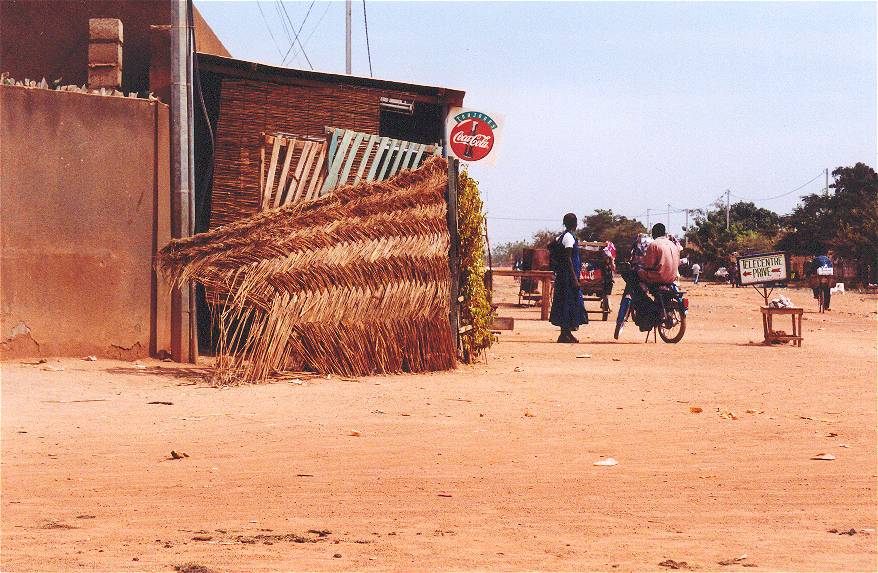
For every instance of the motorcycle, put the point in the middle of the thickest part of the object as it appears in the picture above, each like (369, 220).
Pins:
(662, 307)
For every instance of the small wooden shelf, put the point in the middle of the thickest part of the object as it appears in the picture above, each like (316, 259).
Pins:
(768, 313)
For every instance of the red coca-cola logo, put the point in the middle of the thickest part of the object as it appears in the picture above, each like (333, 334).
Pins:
(473, 137)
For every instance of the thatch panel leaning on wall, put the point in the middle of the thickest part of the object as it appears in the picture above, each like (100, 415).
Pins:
(354, 283)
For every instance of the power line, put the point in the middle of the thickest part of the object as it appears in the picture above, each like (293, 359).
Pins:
(316, 26)
(293, 28)
(278, 7)
(782, 194)
(308, 13)
(264, 19)
(522, 219)
(368, 49)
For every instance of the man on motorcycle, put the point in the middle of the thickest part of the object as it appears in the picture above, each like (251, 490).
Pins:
(654, 261)
(661, 261)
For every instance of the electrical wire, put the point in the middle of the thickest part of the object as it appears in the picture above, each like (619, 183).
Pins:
(316, 26)
(298, 33)
(782, 194)
(368, 49)
(522, 219)
(278, 7)
(293, 28)
(264, 19)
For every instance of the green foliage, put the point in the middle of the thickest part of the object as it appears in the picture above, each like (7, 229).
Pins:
(508, 253)
(604, 225)
(475, 311)
(752, 230)
(844, 222)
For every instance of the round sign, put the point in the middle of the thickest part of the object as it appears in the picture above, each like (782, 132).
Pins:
(472, 139)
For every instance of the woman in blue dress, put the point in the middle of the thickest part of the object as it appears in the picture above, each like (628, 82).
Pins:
(568, 308)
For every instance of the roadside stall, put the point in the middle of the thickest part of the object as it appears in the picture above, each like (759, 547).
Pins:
(596, 277)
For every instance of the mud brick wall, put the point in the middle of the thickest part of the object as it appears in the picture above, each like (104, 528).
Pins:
(85, 190)
(249, 108)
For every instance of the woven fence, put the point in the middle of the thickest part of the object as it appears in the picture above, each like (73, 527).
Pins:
(353, 283)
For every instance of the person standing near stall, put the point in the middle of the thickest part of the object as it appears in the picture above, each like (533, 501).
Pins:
(568, 307)
(822, 266)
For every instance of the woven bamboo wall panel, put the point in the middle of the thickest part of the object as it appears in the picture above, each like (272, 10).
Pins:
(249, 108)
(353, 283)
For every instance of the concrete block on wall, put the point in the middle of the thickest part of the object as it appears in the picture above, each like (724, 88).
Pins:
(104, 53)
(106, 29)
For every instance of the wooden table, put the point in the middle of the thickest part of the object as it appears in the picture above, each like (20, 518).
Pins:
(545, 278)
(768, 328)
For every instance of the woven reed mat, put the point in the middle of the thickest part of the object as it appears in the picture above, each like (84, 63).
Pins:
(354, 283)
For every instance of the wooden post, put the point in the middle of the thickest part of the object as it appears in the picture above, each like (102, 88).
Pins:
(453, 249)
(545, 298)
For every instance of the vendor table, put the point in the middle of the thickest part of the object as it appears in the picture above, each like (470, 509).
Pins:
(768, 327)
(545, 278)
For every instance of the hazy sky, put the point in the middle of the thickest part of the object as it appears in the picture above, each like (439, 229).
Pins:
(617, 105)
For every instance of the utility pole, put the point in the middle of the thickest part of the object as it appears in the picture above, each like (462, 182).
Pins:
(686, 229)
(729, 206)
(647, 219)
(827, 181)
(347, 28)
(669, 218)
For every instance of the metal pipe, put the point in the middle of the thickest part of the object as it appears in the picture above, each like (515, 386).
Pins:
(347, 27)
(182, 198)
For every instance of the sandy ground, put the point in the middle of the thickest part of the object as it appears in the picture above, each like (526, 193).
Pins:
(489, 467)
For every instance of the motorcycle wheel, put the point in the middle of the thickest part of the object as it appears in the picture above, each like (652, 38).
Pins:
(673, 334)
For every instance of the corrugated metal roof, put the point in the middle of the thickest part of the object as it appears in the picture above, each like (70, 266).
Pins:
(255, 70)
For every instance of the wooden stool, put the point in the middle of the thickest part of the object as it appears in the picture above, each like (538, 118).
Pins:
(768, 328)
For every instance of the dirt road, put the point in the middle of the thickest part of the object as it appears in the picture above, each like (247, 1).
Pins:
(489, 467)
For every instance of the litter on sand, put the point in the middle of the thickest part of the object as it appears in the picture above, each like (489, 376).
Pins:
(826, 457)
(734, 561)
(606, 462)
(695, 410)
(90, 358)
(584, 356)
(671, 564)
(354, 433)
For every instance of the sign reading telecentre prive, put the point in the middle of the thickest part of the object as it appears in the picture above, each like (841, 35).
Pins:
(763, 268)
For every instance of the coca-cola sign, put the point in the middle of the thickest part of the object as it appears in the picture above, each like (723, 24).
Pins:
(472, 135)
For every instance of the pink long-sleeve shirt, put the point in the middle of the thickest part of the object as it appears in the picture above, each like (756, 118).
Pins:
(661, 261)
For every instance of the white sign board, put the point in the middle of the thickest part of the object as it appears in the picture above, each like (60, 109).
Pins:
(473, 134)
(763, 268)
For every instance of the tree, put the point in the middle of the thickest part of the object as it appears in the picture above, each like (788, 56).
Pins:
(752, 229)
(857, 240)
(809, 227)
(509, 252)
(843, 222)
(604, 225)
